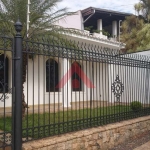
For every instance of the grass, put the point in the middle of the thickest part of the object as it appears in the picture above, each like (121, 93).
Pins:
(47, 124)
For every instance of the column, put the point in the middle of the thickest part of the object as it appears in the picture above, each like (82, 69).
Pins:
(82, 23)
(66, 91)
(114, 28)
(99, 25)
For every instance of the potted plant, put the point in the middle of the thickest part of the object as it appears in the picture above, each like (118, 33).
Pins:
(97, 33)
(87, 30)
(113, 38)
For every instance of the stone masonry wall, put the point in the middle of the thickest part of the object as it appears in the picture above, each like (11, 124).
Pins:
(98, 138)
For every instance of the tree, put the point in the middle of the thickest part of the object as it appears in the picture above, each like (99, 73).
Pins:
(138, 8)
(146, 9)
(144, 36)
(130, 27)
(135, 32)
(43, 15)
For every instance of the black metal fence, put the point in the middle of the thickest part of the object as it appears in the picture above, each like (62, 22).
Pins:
(6, 53)
(68, 86)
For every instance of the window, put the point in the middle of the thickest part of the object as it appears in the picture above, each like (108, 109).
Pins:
(3, 74)
(51, 75)
(76, 80)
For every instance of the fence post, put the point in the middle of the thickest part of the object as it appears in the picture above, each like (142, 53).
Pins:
(17, 129)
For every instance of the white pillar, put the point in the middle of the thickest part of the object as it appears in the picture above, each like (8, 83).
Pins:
(114, 28)
(82, 23)
(99, 25)
(66, 91)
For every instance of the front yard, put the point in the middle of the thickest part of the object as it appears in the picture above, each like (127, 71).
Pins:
(47, 124)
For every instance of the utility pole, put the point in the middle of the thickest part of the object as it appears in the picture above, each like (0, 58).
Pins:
(119, 33)
(28, 16)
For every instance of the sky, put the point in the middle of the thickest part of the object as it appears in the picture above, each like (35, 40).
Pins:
(117, 5)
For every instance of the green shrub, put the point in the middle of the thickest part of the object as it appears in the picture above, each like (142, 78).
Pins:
(135, 105)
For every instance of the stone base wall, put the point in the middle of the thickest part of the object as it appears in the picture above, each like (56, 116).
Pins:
(98, 138)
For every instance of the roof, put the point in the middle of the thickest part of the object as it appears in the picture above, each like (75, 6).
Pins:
(89, 10)
(108, 16)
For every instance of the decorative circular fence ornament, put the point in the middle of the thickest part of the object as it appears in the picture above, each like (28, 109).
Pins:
(117, 88)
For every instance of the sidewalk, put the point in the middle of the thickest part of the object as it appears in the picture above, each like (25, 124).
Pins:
(140, 142)
(145, 146)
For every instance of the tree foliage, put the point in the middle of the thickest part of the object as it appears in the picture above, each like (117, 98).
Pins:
(136, 29)
(43, 14)
(145, 7)
(144, 36)
(130, 27)
(138, 7)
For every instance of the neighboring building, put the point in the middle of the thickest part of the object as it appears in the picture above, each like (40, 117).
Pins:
(36, 86)
(102, 19)
(99, 20)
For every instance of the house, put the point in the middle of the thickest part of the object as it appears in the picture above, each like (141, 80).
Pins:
(102, 23)
(51, 80)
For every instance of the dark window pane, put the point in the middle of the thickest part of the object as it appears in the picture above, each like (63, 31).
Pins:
(3, 74)
(51, 75)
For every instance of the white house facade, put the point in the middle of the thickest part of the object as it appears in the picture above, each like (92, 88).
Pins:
(48, 78)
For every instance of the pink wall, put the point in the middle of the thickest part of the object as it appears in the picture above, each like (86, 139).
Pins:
(73, 21)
